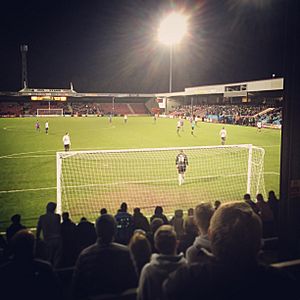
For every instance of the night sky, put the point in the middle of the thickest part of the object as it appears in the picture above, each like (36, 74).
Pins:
(111, 46)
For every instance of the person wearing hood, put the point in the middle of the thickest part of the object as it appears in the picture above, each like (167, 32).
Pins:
(161, 264)
(233, 270)
(203, 214)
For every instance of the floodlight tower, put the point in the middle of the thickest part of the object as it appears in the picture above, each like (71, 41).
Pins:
(170, 32)
(24, 50)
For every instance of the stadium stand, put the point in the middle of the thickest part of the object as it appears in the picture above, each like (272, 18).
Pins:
(247, 115)
(122, 109)
(238, 114)
(139, 108)
(13, 109)
(78, 108)
(30, 108)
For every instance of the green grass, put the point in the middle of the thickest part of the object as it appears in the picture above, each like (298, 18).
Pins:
(28, 164)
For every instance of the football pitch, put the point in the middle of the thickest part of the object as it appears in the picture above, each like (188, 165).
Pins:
(28, 157)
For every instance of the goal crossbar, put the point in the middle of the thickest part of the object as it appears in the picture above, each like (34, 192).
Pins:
(70, 153)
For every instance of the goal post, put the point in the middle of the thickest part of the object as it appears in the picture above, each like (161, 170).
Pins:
(90, 180)
(49, 112)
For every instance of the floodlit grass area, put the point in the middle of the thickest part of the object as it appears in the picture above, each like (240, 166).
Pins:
(28, 162)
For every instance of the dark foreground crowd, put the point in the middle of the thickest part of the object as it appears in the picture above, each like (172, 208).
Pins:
(216, 252)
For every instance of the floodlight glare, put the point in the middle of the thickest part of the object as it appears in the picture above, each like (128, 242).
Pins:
(172, 29)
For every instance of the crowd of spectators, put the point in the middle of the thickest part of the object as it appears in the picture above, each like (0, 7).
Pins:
(215, 251)
(81, 108)
(273, 116)
(231, 114)
(243, 114)
(11, 109)
(74, 108)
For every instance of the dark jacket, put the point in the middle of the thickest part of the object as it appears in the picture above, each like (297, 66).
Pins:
(69, 250)
(215, 280)
(12, 229)
(160, 216)
(141, 222)
(103, 269)
(125, 227)
(85, 235)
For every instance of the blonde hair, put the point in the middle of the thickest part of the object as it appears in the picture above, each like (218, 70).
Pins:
(140, 249)
(203, 213)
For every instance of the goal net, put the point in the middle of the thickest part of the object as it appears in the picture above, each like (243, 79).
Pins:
(90, 180)
(51, 112)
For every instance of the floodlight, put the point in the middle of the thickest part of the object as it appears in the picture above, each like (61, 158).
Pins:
(172, 29)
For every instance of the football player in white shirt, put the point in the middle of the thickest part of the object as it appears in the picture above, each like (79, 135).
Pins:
(181, 120)
(223, 134)
(46, 127)
(66, 141)
(178, 126)
(259, 125)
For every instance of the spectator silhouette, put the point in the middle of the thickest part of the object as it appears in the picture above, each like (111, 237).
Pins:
(203, 214)
(190, 223)
(124, 225)
(140, 221)
(25, 277)
(161, 265)
(105, 267)
(247, 199)
(178, 223)
(49, 225)
(235, 232)
(4, 253)
(266, 215)
(154, 225)
(68, 233)
(274, 205)
(14, 227)
(103, 211)
(190, 232)
(158, 213)
(140, 250)
(217, 204)
(85, 234)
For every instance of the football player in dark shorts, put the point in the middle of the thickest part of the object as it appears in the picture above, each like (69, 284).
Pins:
(181, 163)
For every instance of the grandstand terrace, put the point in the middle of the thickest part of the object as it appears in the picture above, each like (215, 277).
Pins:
(74, 106)
(243, 114)
(235, 103)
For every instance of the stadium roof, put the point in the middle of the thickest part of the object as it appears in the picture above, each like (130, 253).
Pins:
(237, 89)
